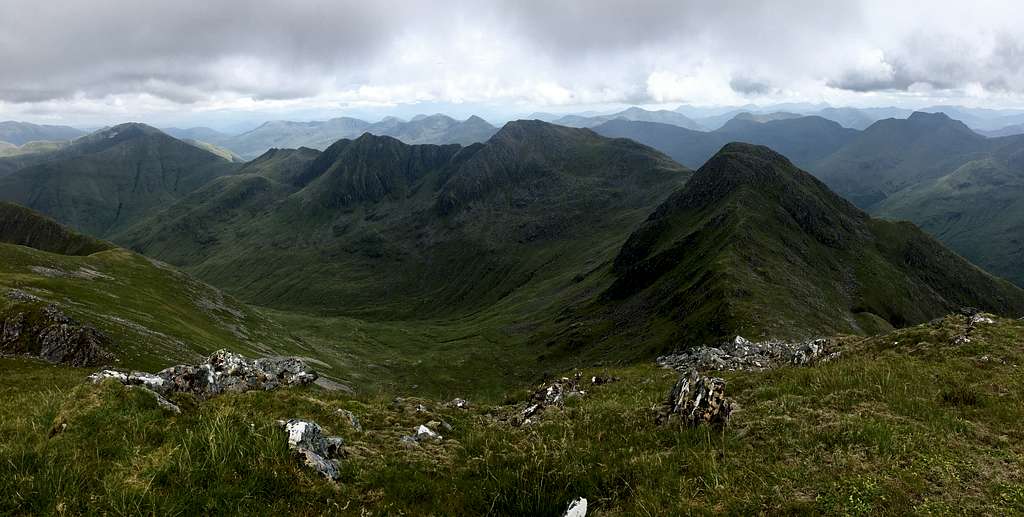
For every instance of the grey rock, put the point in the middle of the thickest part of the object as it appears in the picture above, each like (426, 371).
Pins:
(697, 400)
(316, 450)
(740, 354)
(223, 372)
(458, 403)
(353, 420)
(425, 433)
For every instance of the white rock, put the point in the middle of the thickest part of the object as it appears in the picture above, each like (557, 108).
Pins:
(577, 508)
(424, 433)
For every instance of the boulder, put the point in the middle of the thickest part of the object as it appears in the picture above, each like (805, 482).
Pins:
(222, 372)
(697, 400)
(316, 450)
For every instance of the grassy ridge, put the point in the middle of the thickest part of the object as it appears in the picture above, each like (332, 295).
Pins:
(156, 316)
(902, 423)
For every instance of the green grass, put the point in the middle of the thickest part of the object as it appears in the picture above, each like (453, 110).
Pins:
(904, 423)
(155, 315)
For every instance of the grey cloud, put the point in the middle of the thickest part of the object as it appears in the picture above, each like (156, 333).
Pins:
(749, 86)
(188, 51)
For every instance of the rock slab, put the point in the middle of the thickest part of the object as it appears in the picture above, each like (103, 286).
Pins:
(697, 400)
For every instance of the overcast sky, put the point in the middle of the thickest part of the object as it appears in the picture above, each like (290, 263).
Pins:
(224, 62)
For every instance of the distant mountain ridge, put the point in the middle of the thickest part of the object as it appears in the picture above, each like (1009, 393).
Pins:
(20, 133)
(432, 129)
(633, 114)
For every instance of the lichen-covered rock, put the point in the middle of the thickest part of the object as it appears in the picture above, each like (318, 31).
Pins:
(697, 400)
(223, 372)
(746, 355)
(316, 450)
(45, 331)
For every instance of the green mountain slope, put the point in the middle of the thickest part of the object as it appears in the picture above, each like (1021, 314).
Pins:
(754, 246)
(111, 178)
(154, 315)
(977, 209)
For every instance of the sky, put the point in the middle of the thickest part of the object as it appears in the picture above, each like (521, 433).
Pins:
(232, 63)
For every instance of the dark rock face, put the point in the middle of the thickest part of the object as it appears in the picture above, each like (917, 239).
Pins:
(223, 372)
(45, 331)
(697, 400)
(315, 449)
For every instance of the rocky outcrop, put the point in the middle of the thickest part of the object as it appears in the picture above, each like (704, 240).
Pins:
(223, 372)
(315, 449)
(976, 319)
(697, 400)
(43, 330)
(554, 394)
(742, 354)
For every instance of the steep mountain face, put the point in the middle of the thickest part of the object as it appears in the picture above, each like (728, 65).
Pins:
(805, 139)
(20, 133)
(893, 154)
(754, 246)
(633, 114)
(432, 129)
(378, 228)
(111, 178)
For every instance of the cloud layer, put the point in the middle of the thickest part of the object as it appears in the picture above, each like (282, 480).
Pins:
(123, 58)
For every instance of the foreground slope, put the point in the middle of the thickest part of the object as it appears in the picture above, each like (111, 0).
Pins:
(752, 245)
(154, 315)
(111, 178)
(908, 422)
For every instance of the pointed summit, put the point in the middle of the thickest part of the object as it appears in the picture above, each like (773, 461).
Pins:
(753, 245)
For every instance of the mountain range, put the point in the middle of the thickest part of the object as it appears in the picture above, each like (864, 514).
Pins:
(542, 216)
(422, 129)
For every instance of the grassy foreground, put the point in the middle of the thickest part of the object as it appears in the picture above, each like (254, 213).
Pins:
(902, 423)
